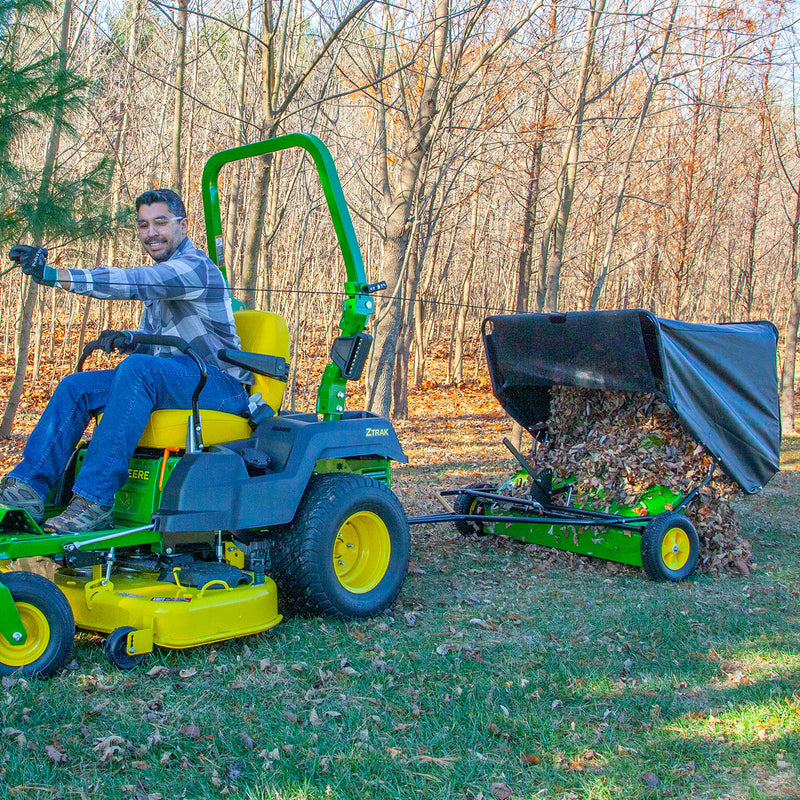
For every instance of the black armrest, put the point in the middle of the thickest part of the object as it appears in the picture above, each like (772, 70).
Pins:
(271, 366)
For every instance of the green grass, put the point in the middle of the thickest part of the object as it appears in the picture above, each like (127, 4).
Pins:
(496, 671)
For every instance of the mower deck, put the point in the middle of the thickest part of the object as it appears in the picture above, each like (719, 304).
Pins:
(177, 616)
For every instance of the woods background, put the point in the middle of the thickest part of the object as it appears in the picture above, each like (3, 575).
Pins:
(496, 156)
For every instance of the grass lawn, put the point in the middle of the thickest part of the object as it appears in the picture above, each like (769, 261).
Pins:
(503, 671)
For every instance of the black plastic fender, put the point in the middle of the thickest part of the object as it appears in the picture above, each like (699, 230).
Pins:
(212, 490)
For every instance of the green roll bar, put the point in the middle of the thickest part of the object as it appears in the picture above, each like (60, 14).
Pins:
(358, 306)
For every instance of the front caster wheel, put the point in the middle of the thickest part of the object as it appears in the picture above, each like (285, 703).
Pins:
(116, 649)
(670, 548)
(48, 622)
(345, 554)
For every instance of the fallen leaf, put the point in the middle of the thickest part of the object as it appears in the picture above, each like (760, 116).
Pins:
(650, 778)
(501, 790)
(55, 755)
(190, 731)
(109, 749)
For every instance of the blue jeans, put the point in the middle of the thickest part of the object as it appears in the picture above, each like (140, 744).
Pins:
(126, 396)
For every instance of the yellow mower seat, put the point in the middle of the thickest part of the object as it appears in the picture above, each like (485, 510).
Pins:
(260, 332)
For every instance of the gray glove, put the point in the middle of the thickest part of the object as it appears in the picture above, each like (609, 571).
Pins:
(33, 261)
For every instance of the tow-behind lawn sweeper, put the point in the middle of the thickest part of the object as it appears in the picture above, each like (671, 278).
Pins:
(223, 518)
(720, 380)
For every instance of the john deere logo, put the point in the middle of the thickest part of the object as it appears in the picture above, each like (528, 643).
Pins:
(139, 474)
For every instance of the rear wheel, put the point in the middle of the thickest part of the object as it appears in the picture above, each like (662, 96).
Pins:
(346, 552)
(670, 548)
(48, 623)
(466, 503)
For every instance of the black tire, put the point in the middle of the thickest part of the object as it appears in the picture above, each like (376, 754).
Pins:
(345, 554)
(48, 622)
(116, 651)
(468, 504)
(670, 548)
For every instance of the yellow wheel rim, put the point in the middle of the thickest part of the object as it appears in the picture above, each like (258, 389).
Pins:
(38, 630)
(361, 552)
(675, 548)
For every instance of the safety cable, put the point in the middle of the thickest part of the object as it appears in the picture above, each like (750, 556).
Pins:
(326, 292)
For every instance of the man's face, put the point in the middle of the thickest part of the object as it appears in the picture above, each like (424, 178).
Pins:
(159, 231)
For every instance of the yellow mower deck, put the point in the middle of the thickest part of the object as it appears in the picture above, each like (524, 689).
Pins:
(177, 616)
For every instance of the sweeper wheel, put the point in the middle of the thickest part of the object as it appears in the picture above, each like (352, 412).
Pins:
(670, 548)
(469, 504)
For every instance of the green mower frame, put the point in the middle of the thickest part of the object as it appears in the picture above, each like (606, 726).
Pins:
(298, 507)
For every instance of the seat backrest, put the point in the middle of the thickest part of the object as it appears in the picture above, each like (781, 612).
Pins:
(266, 333)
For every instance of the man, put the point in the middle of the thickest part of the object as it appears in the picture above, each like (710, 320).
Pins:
(185, 295)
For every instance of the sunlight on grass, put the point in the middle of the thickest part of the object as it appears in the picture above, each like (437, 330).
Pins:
(745, 723)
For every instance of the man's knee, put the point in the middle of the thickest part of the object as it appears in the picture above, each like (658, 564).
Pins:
(73, 387)
(134, 368)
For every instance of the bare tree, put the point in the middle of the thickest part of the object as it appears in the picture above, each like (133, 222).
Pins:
(626, 164)
(398, 202)
(555, 227)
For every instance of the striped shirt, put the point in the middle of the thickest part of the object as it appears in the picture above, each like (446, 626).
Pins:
(184, 296)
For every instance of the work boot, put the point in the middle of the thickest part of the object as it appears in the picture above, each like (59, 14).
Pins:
(15, 493)
(80, 516)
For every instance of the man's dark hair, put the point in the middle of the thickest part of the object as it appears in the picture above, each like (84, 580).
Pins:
(174, 203)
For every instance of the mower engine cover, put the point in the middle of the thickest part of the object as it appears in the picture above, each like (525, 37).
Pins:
(720, 379)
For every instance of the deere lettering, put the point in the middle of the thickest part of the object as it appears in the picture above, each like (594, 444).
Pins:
(139, 474)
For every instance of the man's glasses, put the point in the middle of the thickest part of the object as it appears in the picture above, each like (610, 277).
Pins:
(159, 223)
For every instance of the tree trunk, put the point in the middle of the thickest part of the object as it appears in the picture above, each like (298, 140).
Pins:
(398, 224)
(459, 326)
(175, 162)
(555, 229)
(525, 257)
(238, 139)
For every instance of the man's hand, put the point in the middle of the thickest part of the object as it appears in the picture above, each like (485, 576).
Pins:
(121, 341)
(33, 261)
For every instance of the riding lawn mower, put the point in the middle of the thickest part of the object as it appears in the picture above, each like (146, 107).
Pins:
(223, 517)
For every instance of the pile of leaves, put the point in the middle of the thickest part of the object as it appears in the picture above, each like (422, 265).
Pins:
(614, 446)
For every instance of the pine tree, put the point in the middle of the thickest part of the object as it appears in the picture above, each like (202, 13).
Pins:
(36, 205)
